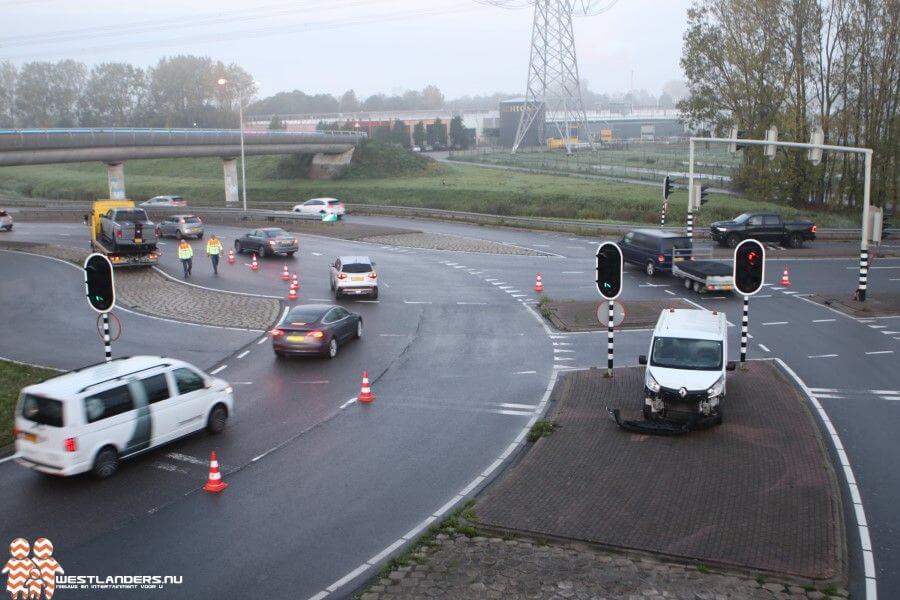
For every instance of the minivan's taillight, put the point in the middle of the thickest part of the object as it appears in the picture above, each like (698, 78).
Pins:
(373, 275)
(71, 446)
(661, 258)
(342, 276)
(813, 230)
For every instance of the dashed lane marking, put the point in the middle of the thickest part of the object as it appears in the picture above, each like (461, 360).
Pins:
(218, 370)
(262, 340)
(348, 403)
(317, 254)
(8, 458)
(320, 299)
(392, 334)
(472, 303)
(824, 320)
(525, 373)
(670, 292)
(822, 356)
(764, 348)
(243, 354)
(776, 323)
(416, 302)
(187, 458)
(881, 352)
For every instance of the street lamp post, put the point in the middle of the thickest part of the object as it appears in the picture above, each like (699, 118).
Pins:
(224, 82)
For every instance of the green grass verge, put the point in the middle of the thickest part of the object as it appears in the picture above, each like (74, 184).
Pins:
(452, 187)
(13, 377)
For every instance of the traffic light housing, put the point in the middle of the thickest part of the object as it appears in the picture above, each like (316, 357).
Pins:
(703, 194)
(99, 286)
(668, 186)
(749, 267)
(609, 270)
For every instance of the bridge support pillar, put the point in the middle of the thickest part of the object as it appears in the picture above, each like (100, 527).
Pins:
(229, 166)
(115, 174)
(329, 166)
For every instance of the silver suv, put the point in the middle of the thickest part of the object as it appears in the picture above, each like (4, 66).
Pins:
(181, 226)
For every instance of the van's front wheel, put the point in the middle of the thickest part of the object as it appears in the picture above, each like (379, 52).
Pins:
(218, 417)
(106, 464)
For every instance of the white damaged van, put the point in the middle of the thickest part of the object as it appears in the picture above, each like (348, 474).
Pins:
(685, 376)
(90, 418)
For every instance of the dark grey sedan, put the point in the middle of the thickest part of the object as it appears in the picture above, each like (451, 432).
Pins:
(268, 241)
(315, 329)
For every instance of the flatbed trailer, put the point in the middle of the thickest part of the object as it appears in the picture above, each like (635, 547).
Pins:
(701, 273)
(146, 256)
(124, 258)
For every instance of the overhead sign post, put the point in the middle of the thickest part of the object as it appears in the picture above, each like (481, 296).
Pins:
(609, 286)
(749, 276)
(100, 290)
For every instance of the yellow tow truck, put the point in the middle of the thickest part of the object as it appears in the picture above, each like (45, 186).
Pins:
(124, 233)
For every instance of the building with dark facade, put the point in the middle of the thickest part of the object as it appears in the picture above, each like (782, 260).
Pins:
(510, 115)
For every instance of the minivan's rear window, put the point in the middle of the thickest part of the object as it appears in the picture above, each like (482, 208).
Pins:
(45, 411)
(356, 268)
(334, 202)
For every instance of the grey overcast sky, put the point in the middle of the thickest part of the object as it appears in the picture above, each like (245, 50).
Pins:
(333, 45)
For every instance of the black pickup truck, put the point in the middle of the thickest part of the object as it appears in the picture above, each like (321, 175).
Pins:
(765, 227)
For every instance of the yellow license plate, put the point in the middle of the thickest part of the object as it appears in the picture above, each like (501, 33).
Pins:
(30, 437)
(357, 279)
(138, 240)
(296, 338)
(678, 259)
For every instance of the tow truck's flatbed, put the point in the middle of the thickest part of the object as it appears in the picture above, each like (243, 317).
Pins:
(125, 258)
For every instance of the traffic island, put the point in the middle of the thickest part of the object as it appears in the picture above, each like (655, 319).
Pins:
(581, 315)
(876, 305)
(757, 493)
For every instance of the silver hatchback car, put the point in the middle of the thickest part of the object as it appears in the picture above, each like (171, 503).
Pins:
(181, 226)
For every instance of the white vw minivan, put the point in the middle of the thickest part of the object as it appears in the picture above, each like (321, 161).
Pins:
(685, 375)
(90, 418)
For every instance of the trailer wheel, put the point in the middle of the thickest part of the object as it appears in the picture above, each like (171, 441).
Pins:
(698, 287)
(651, 268)
(687, 283)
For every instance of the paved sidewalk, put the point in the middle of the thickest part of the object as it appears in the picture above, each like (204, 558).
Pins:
(147, 291)
(460, 567)
(757, 492)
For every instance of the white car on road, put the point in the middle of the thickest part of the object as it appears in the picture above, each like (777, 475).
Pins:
(89, 419)
(164, 201)
(354, 276)
(321, 206)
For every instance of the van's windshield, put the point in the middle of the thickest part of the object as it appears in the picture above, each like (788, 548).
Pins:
(685, 353)
(45, 411)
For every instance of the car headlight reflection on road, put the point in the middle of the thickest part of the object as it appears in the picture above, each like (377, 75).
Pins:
(717, 388)
(651, 383)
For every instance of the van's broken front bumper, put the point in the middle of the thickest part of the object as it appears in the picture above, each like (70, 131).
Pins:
(662, 426)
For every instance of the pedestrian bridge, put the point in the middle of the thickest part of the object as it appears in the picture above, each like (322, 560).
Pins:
(330, 150)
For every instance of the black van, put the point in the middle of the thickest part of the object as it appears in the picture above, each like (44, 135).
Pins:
(652, 248)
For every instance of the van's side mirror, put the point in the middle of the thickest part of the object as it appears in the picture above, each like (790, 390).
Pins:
(730, 366)
(642, 360)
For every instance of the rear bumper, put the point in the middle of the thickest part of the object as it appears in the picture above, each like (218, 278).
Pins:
(358, 290)
(63, 471)
(299, 348)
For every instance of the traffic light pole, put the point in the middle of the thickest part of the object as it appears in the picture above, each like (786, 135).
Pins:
(745, 328)
(867, 192)
(107, 345)
(609, 339)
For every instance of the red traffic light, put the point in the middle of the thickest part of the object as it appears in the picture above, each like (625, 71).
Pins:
(749, 267)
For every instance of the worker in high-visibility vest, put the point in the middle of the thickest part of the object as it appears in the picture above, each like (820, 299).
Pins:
(213, 249)
(186, 254)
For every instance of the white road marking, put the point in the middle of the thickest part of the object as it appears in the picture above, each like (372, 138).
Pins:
(824, 320)
(670, 292)
(654, 285)
(169, 467)
(562, 351)
(572, 272)
(495, 282)
(776, 323)
(317, 254)
(472, 303)
(314, 381)
(822, 356)
(519, 295)
(491, 280)
(763, 296)
(211, 289)
(348, 403)
(320, 299)
(3, 460)
(460, 267)
(241, 382)
(392, 334)
(514, 413)
(560, 359)
(764, 349)
(524, 406)
(416, 302)
(187, 458)
(218, 370)
(870, 268)
(524, 372)
(890, 332)
(881, 352)
(262, 340)
(243, 354)
(878, 326)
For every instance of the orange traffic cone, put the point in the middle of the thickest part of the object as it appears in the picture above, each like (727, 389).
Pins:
(230, 256)
(284, 274)
(214, 483)
(292, 293)
(785, 278)
(365, 393)
(295, 282)
(254, 266)
(539, 284)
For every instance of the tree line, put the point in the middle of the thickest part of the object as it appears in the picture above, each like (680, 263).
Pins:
(437, 134)
(799, 64)
(181, 91)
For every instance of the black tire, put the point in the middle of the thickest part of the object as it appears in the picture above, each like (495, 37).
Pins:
(359, 327)
(264, 252)
(648, 414)
(178, 234)
(218, 418)
(337, 294)
(375, 293)
(290, 254)
(718, 419)
(332, 349)
(650, 269)
(698, 287)
(238, 249)
(687, 283)
(795, 240)
(106, 463)
(199, 236)
(732, 240)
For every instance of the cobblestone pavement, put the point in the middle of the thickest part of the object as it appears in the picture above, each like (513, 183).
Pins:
(441, 241)
(495, 568)
(147, 291)
(581, 315)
